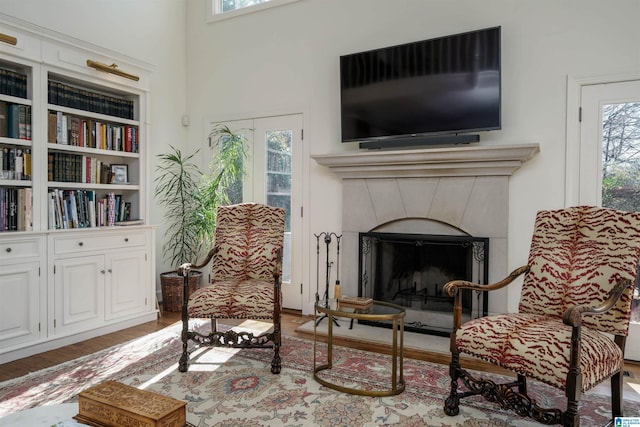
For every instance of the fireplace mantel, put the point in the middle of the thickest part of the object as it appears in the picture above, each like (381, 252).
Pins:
(457, 161)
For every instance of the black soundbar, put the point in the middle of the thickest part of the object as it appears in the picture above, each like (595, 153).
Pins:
(420, 141)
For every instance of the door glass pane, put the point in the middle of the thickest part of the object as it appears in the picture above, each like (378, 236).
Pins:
(234, 187)
(278, 185)
(229, 5)
(621, 165)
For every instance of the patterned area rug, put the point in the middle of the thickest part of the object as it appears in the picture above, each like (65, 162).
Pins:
(226, 387)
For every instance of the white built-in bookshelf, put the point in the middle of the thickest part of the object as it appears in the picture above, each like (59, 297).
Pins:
(76, 253)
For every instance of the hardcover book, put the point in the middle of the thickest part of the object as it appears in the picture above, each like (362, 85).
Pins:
(358, 302)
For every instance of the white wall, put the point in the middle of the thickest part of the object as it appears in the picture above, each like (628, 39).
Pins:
(285, 59)
(149, 30)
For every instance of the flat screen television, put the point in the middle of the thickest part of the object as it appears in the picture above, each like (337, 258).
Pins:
(435, 91)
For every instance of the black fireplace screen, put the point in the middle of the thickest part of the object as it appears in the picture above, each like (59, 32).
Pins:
(410, 270)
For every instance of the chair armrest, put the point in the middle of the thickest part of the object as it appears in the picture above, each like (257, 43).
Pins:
(451, 288)
(185, 268)
(573, 315)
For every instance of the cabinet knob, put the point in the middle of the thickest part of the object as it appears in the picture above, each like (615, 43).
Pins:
(109, 270)
(80, 243)
(8, 249)
(102, 271)
(126, 239)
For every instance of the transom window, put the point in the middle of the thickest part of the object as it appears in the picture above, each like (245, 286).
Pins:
(222, 9)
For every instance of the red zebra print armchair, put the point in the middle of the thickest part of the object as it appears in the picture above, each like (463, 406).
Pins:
(245, 284)
(573, 317)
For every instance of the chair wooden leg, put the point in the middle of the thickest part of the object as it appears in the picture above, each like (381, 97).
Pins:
(276, 363)
(452, 403)
(522, 385)
(183, 364)
(571, 418)
(616, 395)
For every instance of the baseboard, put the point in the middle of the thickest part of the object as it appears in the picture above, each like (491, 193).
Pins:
(29, 349)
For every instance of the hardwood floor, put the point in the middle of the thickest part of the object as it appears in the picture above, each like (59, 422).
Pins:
(290, 322)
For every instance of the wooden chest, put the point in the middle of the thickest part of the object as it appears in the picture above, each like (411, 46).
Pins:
(118, 405)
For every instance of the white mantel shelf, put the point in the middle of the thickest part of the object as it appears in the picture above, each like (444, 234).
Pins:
(479, 160)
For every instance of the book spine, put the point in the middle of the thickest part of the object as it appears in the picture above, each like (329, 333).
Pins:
(28, 209)
(27, 164)
(3, 209)
(111, 209)
(20, 207)
(13, 121)
(18, 164)
(3, 118)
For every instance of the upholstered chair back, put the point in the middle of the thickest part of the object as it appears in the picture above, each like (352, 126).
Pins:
(577, 256)
(248, 237)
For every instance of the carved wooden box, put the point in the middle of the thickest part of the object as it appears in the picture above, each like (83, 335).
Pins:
(118, 405)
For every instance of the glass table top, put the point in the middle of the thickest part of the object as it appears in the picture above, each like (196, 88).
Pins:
(376, 310)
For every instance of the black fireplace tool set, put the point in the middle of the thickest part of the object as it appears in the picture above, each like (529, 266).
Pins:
(327, 237)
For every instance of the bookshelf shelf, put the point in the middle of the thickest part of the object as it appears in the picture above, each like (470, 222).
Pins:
(83, 186)
(15, 142)
(91, 151)
(15, 183)
(79, 261)
(89, 114)
(15, 100)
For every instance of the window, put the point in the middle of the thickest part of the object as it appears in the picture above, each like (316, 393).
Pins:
(222, 9)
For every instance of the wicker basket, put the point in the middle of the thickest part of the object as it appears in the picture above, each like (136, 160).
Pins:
(172, 288)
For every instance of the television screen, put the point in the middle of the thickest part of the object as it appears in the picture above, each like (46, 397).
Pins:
(446, 85)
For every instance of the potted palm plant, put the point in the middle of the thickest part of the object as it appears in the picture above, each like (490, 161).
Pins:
(190, 198)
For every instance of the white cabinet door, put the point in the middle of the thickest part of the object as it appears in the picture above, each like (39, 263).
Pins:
(79, 293)
(20, 304)
(127, 283)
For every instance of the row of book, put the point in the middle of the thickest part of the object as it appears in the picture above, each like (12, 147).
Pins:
(66, 129)
(66, 167)
(16, 209)
(82, 209)
(83, 99)
(13, 83)
(15, 163)
(15, 120)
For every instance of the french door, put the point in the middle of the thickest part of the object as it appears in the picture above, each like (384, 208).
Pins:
(273, 176)
(609, 161)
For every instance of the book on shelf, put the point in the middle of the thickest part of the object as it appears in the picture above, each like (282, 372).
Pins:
(13, 83)
(15, 163)
(70, 96)
(18, 164)
(81, 209)
(79, 131)
(16, 209)
(26, 173)
(3, 118)
(18, 121)
(357, 302)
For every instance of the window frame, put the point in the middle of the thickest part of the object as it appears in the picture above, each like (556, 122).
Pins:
(214, 13)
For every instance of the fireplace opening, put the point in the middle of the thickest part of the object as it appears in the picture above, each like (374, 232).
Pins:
(410, 270)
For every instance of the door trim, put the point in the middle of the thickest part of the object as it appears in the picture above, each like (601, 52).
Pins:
(572, 154)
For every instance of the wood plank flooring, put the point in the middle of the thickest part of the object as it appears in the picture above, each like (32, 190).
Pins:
(290, 322)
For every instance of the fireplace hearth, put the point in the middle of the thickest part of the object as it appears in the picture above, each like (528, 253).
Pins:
(410, 270)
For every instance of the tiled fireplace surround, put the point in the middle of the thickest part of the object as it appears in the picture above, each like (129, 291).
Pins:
(459, 190)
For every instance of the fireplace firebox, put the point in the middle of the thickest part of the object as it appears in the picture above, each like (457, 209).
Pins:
(410, 270)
